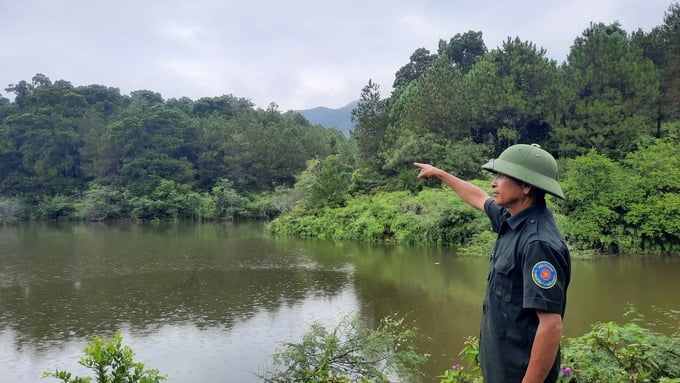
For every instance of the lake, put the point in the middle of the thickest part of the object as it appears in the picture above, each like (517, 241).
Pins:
(211, 302)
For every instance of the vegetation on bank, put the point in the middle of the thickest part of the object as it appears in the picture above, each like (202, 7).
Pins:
(350, 352)
(610, 114)
(636, 351)
(626, 207)
(613, 124)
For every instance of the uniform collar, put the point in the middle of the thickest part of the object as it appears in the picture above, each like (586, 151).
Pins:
(514, 221)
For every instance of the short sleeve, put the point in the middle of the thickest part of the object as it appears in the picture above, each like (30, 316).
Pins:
(495, 214)
(544, 277)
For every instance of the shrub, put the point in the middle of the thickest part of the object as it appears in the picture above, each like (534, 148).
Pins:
(351, 352)
(609, 353)
(624, 353)
(457, 373)
(100, 203)
(112, 363)
(229, 204)
(56, 207)
(10, 209)
(433, 216)
(169, 200)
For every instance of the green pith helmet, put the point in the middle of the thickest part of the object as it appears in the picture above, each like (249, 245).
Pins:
(529, 164)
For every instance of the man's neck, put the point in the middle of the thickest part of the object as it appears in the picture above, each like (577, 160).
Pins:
(520, 205)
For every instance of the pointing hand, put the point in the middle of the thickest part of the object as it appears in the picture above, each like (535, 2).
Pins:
(426, 170)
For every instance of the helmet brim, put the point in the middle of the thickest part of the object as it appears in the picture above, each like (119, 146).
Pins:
(538, 180)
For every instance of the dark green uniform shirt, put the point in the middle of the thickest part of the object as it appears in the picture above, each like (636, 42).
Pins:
(530, 269)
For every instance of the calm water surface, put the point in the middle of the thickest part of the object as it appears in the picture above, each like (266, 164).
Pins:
(211, 302)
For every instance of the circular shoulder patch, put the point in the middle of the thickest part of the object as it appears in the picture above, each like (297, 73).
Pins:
(544, 275)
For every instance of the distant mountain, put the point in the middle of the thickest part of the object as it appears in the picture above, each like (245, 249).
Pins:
(331, 118)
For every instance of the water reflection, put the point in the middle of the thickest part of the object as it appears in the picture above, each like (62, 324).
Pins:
(66, 284)
(211, 302)
(185, 350)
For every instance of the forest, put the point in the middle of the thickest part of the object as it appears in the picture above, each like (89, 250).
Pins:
(610, 114)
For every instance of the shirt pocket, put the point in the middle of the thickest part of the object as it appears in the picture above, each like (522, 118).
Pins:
(503, 270)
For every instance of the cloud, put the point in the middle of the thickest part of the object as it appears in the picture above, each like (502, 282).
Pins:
(298, 54)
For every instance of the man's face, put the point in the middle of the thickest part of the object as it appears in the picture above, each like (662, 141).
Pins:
(507, 191)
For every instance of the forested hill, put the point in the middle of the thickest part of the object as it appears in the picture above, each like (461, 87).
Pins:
(340, 118)
(610, 114)
(91, 152)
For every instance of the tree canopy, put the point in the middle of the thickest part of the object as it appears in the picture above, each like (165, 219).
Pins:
(89, 151)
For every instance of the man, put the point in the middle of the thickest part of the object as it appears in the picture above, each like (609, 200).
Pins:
(530, 266)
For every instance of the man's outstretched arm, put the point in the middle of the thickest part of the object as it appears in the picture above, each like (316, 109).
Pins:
(472, 194)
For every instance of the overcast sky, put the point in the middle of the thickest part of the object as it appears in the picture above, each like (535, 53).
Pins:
(297, 53)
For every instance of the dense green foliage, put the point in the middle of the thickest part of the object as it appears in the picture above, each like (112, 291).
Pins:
(611, 352)
(631, 206)
(91, 153)
(610, 114)
(351, 352)
(627, 207)
(433, 216)
(608, 353)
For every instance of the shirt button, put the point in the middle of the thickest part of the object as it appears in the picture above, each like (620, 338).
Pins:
(532, 220)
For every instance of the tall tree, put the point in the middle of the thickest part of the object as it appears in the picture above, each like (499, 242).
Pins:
(510, 91)
(662, 46)
(226, 105)
(104, 100)
(147, 96)
(152, 142)
(370, 121)
(434, 104)
(670, 73)
(41, 141)
(463, 49)
(420, 61)
(610, 89)
(41, 154)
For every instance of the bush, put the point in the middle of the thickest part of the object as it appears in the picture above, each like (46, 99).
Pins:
(56, 207)
(609, 353)
(10, 209)
(112, 363)
(351, 352)
(470, 355)
(433, 216)
(100, 203)
(628, 207)
(599, 193)
(624, 353)
(168, 201)
(229, 204)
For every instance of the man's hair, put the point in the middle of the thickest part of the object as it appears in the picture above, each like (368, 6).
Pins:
(535, 193)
